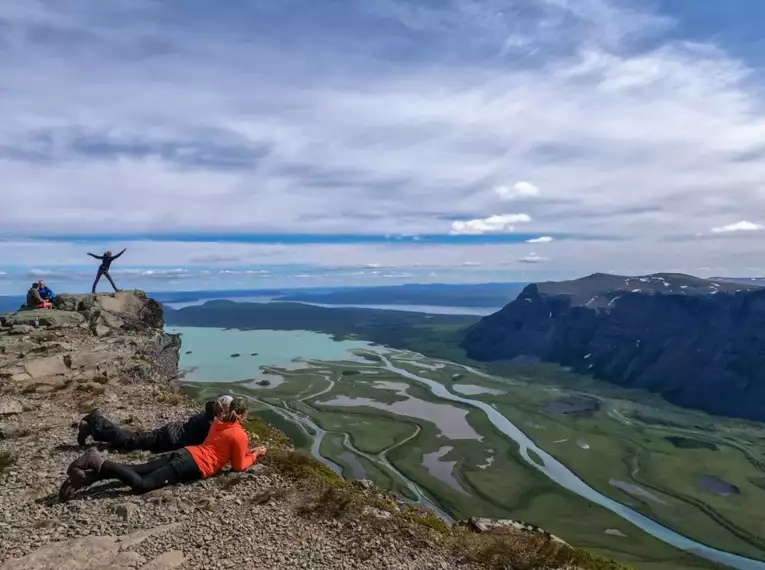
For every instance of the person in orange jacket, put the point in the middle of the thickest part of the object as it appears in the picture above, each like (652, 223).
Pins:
(226, 442)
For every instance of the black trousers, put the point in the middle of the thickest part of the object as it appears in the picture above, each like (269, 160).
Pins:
(105, 273)
(118, 438)
(168, 469)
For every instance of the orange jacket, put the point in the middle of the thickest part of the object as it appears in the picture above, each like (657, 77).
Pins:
(225, 442)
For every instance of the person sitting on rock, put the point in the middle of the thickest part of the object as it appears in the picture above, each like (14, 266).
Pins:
(45, 292)
(169, 437)
(34, 301)
(103, 269)
(226, 442)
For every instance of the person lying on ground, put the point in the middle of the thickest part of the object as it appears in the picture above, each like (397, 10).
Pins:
(103, 269)
(34, 301)
(226, 442)
(46, 292)
(169, 437)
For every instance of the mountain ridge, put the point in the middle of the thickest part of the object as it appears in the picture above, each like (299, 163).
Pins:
(699, 343)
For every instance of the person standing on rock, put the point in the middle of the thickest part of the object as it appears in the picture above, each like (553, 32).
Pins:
(169, 437)
(226, 442)
(103, 270)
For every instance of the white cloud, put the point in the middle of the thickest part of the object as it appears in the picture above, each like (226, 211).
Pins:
(571, 102)
(543, 239)
(251, 272)
(742, 226)
(503, 223)
(472, 264)
(155, 273)
(52, 274)
(533, 258)
(520, 189)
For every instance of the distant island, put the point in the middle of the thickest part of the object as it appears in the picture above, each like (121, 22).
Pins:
(483, 295)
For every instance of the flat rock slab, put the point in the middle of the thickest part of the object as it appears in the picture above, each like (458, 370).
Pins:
(97, 553)
(46, 366)
(10, 407)
(504, 526)
(45, 317)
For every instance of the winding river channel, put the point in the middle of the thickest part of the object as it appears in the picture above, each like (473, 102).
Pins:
(559, 473)
(313, 430)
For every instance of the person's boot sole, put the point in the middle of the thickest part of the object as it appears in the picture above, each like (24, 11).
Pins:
(83, 432)
(65, 492)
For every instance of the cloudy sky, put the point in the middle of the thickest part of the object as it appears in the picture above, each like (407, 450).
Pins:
(254, 143)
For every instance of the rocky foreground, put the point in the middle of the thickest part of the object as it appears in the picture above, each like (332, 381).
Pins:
(110, 351)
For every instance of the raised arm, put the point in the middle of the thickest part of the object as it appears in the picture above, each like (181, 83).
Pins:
(96, 256)
(241, 457)
(120, 253)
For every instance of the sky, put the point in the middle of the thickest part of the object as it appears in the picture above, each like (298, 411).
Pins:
(253, 143)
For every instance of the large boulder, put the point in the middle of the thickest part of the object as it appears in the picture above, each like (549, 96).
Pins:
(73, 302)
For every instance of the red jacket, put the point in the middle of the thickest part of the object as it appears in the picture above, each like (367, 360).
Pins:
(225, 442)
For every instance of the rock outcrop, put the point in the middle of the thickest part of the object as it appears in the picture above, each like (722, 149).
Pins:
(698, 343)
(87, 339)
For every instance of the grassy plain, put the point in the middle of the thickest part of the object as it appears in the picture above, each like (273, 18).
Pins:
(625, 440)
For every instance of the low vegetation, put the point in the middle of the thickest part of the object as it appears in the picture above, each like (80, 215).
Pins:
(325, 494)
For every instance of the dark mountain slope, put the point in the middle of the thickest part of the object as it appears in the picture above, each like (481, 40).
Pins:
(699, 343)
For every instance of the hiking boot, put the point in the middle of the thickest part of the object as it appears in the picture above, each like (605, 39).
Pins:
(83, 433)
(88, 425)
(91, 460)
(65, 492)
(77, 480)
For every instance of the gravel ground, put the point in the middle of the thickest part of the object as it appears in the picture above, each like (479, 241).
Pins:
(217, 523)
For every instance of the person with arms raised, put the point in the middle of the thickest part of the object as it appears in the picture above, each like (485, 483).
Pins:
(103, 270)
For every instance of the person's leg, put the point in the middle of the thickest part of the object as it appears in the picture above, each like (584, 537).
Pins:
(153, 464)
(168, 469)
(98, 278)
(103, 430)
(122, 439)
(109, 277)
(141, 482)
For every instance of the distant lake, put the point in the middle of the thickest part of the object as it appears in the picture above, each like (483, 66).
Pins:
(211, 349)
(429, 309)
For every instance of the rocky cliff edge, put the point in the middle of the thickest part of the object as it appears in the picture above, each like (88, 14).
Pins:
(287, 512)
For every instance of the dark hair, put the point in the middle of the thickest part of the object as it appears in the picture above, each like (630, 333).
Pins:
(35, 285)
(235, 412)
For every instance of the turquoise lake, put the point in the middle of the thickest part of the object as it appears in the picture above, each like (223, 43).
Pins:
(210, 350)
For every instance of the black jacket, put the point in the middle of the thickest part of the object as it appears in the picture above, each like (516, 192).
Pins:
(106, 260)
(193, 431)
